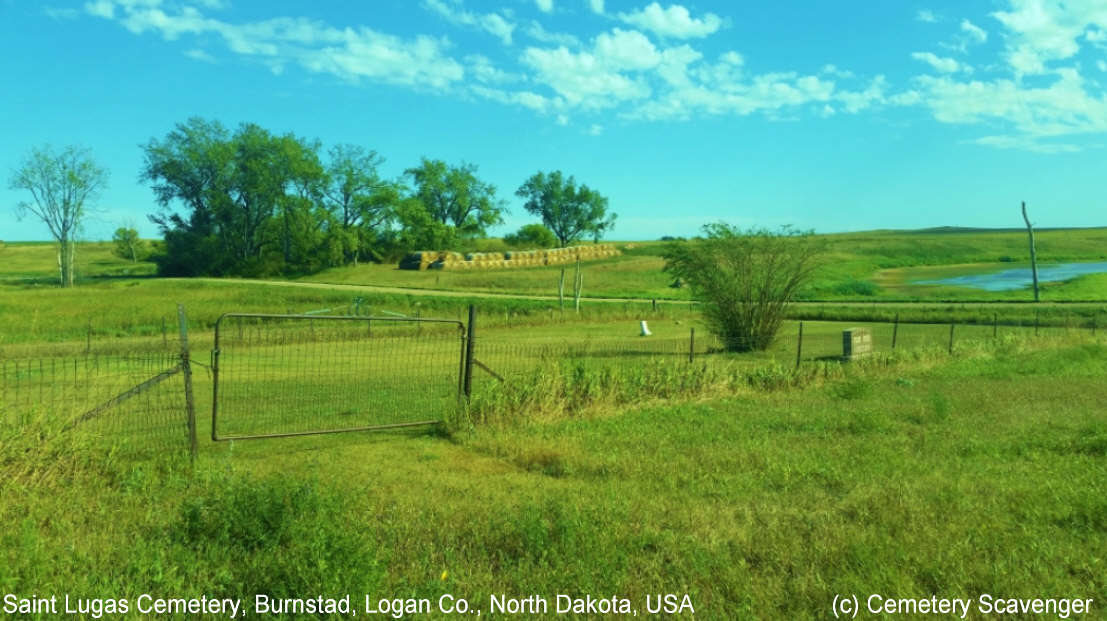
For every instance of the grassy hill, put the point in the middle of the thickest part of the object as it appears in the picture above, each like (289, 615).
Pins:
(868, 266)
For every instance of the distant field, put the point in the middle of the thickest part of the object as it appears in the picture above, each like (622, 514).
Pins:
(869, 265)
(874, 265)
(37, 262)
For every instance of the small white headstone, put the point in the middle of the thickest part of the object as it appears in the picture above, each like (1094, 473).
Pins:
(645, 329)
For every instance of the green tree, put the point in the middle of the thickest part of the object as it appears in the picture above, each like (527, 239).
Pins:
(569, 210)
(360, 201)
(252, 200)
(531, 236)
(127, 244)
(453, 195)
(63, 186)
(418, 230)
(744, 278)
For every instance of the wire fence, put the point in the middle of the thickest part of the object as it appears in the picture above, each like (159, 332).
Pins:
(796, 343)
(134, 403)
(296, 375)
(276, 375)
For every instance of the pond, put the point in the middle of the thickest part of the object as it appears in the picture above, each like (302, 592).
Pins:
(1008, 280)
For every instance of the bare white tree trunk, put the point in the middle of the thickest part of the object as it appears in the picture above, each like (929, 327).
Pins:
(1033, 253)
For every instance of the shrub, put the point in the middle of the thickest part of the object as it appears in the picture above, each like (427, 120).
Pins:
(531, 236)
(745, 278)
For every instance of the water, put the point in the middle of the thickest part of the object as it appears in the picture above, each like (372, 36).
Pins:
(1008, 280)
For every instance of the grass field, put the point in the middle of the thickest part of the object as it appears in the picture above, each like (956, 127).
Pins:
(607, 464)
(869, 265)
(757, 503)
(874, 265)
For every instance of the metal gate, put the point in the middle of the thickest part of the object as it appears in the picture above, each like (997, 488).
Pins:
(293, 375)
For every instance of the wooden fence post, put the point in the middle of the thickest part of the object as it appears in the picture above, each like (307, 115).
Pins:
(895, 331)
(186, 371)
(799, 346)
(470, 332)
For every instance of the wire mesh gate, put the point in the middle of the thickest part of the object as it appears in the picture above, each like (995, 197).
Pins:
(293, 375)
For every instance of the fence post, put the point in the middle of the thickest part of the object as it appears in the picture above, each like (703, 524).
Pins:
(467, 382)
(995, 324)
(186, 371)
(692, 345)
(799, 346)
(895, 331)
(654, 304)
(951, 338)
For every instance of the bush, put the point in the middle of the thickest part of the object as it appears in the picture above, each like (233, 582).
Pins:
(531, 236)
(745, 279)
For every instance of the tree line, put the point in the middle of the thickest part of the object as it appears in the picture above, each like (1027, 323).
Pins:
(251, 202)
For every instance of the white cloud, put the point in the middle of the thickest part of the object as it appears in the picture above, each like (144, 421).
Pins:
(596, 6)
(493, 23)
(538, 33)
(101, 8)
(925, 15)
(1062, 108)
(527, 99)
(1040, 32)
(349, 53)
(1101, 64)
(674, 22)
(201, 55)
(856, 101)
(481, 68)
(835, 71)
(546, 6)
(939, 63)
(595, 130)
(626, 49)
(58, 13)
(1022, 143)
(974, 32)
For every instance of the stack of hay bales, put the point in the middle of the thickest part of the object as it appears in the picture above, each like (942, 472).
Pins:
(433, 259)
(420, 260)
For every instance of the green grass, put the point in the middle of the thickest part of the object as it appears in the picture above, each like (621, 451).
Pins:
(37, 263)
(872, 265)
(908, 476)
(879, 265)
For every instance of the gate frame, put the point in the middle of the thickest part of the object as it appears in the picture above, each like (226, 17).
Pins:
(215, 352)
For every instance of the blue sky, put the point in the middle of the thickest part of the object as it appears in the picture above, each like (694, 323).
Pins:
(827, 115)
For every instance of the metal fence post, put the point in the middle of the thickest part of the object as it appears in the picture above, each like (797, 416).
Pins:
(799, 346)
(468, 374)
(951, 338)
(895, 332)
(692, 345)
(186, 371)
